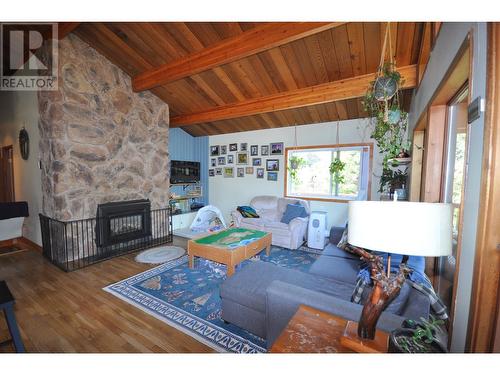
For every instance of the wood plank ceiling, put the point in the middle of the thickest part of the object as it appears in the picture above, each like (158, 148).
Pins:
(344, 51)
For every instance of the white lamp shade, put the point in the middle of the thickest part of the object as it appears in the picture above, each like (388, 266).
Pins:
(407, 228)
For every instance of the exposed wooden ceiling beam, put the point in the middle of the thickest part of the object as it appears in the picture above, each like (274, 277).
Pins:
(248, 43)
(328, 92)
(64, 28)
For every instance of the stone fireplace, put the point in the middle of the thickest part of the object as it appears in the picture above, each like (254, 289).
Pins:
(100, 141)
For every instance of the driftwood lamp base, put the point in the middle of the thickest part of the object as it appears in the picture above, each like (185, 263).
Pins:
(351, 340)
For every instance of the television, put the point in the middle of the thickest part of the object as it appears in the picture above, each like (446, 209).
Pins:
(184, 172)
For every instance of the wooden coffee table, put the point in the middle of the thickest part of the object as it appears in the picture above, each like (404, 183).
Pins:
(315, 331)
(230, 247)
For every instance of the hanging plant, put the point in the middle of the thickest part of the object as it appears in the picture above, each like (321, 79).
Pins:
(381, 102)
(295, 163)
(337, 166)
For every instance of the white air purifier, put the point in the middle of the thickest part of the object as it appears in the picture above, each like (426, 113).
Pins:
(317, 235)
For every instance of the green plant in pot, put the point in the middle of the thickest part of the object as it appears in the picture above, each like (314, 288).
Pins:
(424, 336)
(295, 163)
(393, 179)
(337, 167)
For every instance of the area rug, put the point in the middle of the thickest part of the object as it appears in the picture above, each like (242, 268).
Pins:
(188, 299)
(159, 255)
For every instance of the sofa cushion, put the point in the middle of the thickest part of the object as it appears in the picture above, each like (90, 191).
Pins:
(339, 269)
(277, 228)
(336, 234)
(248, 285)
(292, 211)
(334, 251)
(283, 202)
(269, 215)
(251, 223)
(265, 202)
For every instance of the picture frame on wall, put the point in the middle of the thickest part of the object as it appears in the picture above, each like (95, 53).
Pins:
(214, 150)
(229, 172)
(223, 150)
(249, 170)
(211, 173)
(240, 172)
(272, 176)
(276, 148)
(264, 150)
(260, 172)
(233, 147)
(242, 158)
(218, 171)
(256, 162)
(221, 160)
(254, 150)
(243, 146)
(230, 159)
(272, 165)
(213, 162)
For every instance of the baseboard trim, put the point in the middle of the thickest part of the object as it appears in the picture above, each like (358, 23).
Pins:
(29, 244)
(21, 241)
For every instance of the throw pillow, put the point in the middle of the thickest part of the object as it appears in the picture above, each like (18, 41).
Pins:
(292, 211)
(247, 211)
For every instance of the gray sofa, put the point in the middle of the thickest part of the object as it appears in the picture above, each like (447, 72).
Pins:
(263, 297)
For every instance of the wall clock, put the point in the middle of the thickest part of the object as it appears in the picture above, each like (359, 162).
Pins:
(24, 143)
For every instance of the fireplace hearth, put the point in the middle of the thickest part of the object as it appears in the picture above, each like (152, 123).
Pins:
(118, 228)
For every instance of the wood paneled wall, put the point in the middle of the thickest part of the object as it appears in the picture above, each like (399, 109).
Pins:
(433, 155)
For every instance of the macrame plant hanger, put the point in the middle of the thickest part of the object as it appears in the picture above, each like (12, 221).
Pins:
(387, 36)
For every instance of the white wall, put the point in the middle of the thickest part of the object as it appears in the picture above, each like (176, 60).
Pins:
(227, 193)
(18, 109)
(451, 37)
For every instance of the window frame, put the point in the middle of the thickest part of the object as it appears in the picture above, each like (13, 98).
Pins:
(331, 146)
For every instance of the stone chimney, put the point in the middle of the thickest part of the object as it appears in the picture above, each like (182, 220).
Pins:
(100, 141)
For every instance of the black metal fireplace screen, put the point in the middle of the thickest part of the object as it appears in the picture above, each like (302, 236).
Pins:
(71, 245)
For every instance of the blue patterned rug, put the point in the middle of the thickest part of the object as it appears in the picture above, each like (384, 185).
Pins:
(188, 299)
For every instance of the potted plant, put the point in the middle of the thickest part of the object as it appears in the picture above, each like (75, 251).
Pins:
(337, 166)
(393, 180)
(418, 337)
(294, 165)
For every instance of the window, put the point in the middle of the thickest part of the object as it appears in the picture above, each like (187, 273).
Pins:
(308, 172)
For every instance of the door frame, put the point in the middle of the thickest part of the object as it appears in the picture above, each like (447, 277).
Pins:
(5, 151)
(482, 335)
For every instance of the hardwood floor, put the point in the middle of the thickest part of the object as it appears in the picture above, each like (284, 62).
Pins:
(69, 312)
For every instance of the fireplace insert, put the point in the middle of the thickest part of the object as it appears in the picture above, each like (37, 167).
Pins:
(123, 221)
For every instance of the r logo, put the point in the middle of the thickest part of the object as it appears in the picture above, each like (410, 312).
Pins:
(21, 66)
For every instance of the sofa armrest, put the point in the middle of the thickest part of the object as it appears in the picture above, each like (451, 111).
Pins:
(283, 300)
(298, 222)
(236, 216)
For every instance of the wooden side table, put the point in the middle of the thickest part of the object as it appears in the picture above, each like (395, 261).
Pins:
(315, 331)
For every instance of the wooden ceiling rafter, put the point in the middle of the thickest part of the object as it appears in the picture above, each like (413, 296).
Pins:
(349, 88)
(251, 42)
(346, 51)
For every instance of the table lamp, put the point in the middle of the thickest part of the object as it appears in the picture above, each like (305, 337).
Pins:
(406, 228)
